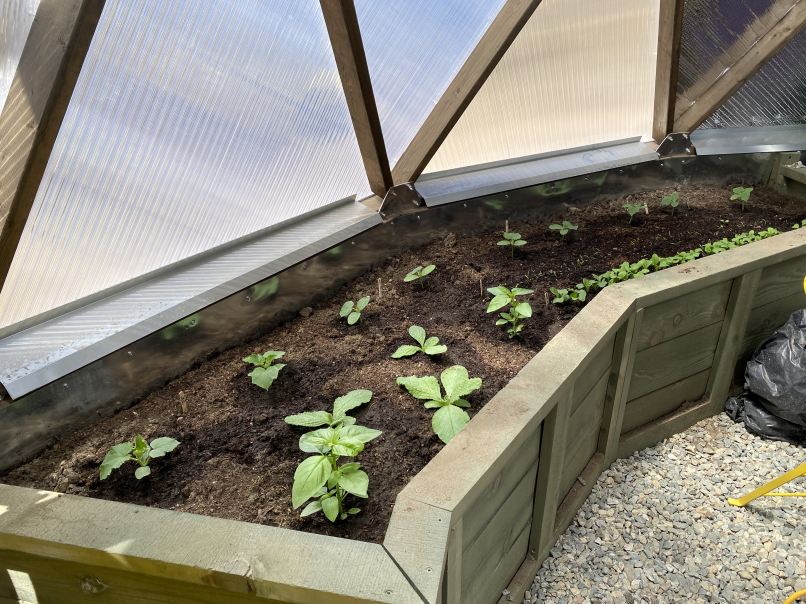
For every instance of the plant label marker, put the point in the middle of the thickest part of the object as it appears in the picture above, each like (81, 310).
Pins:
(481, 286)
(547, 300)
(182, 401)
(379, 288)
(506, 227)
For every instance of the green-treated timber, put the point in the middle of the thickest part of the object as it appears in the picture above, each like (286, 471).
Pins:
(454, 570)
(574, 466)
(780, 281)
(665, 400)
(764, 320)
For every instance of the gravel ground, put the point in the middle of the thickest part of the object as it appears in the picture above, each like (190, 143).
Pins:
(657, 527)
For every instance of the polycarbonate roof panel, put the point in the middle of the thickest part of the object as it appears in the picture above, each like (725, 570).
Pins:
(414, 50)
(716, 34)
(775, 96)
(16, 17)
(579, 73)
(192, 123)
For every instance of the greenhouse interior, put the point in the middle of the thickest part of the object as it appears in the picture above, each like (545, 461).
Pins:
(510, 308)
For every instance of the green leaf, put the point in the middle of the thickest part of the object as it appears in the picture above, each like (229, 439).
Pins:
(355, 483)
(330, 507)
(141, 449)
(461, 403)
(428, 269)
(163, 445)
(350, 447)
(264, 377)
(311, 508)
(310, 476)
(318, 441)
(519, 291)
(353, 318)
(498, 302)
(333, 479)
(346, 308)
(512, 236)
(359, 433)
(255, 359)
(457, 384)
(362, 303)
(310, 419)
(349, 467)
(117, 456)
(524, 309)
(142, 472)
(447, 422)
(434, 404)
(270, 355)
(520, 242)
(555, 227)
(410, 277)
(497, 291)
(418, 333)
(426, 388)
(431, 346)
(353, 510)
(505, 242)
(501, 322)
(349, 401)
(405, 351)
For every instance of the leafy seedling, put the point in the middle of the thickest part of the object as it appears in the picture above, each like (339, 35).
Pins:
(353, 311)
(449, 418)
(670, 200)
(141, 452)
(563, 228)
(343, 404)
(742, 194)
(797, 226)
(419, 273)
(517, 310)
(264, 372)
(428, 346)
(632, 209)
(321, 476)
(560, 295)
(513, 240)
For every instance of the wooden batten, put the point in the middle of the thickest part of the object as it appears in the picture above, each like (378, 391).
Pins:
(670, 30)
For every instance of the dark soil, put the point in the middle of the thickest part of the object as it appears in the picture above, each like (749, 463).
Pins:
(238, 456)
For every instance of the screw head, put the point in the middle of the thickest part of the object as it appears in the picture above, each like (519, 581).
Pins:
(352, 242)
(130, 353)
(192, 322)
(304, 266)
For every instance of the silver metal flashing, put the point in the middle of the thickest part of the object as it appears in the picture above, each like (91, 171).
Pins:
(676, 144)
(769, 139)
(487, 179)
(46, 352)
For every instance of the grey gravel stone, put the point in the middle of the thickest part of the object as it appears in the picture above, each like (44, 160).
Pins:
(657, 527)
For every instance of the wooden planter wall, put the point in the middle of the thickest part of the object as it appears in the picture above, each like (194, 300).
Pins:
(644, 360)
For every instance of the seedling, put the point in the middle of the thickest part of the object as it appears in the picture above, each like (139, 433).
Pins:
(563, 228)
(797, 226)
(742, 194)
(343, 404)
(264, 372)
(353, 311)
(670, 200)
(513, 240)
(321, 476)
(428, 346)
(419, 273)
(517, 310)
(632, 209)
(141, 452)
(560, 295)
(449, 418)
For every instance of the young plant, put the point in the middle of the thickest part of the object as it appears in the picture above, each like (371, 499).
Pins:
(670, 200)
(797, 226)
(560, 295)
(449, 418)
(419, 273)
(321, 476)
(343, 404)
(353, 311)
(742, 194)
(141, 452)
(513, 240)
(428, 346)
(563, 228)
(265, 373)
(632, 209)
(517, 310)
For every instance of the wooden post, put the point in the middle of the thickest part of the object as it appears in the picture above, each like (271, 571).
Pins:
(730, 338)
(454, 565)
(549, 473)
(670, 30)
(618, 387)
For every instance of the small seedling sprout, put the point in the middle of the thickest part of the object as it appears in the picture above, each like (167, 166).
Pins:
(343, 404)
(141, 452)
(265, 373)
(670, 200)
(563, 228)
(513, 240)
(419, 273)
(632, 209)
(428, 346)
(517, 310)
(742, 194)
(353, 311)
(797, 226)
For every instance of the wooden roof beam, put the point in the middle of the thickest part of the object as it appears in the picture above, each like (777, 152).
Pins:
(670, 30)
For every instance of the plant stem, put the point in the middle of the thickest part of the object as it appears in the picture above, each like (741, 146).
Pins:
(421, 281)
(512, 246)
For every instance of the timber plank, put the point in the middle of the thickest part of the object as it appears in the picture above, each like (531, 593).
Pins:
(575, 465)
(780, 281)
(670, 30)
(665, 400)
(588, 380)
(674, 360)
(503, 573)
(577, 495)
(764, 320)
(587, 416)
(679, 316)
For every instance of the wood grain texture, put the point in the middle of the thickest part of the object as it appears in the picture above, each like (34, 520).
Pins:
(460, 92)
(764, 320)
(37, 102)
(674, 360)
(348, 49)
(670, 30)
(588, 380)
(780, 281)
(509, 565)
(743, 69)
(661, 402)
(587, 417)
(454, 568)
(587, 446)
(677, 317)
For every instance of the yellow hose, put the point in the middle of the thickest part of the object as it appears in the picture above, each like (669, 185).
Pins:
(795, 596)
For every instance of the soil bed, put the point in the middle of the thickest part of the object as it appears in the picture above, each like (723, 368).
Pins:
(238, 456)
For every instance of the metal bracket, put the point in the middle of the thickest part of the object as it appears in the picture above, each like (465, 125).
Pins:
(676, 144)
(399, 200)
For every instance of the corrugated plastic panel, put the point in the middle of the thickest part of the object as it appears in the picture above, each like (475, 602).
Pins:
(775, 96)
(16, 17)
(716, 34)
(192, 123)
(414, 50)
(579, 73)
